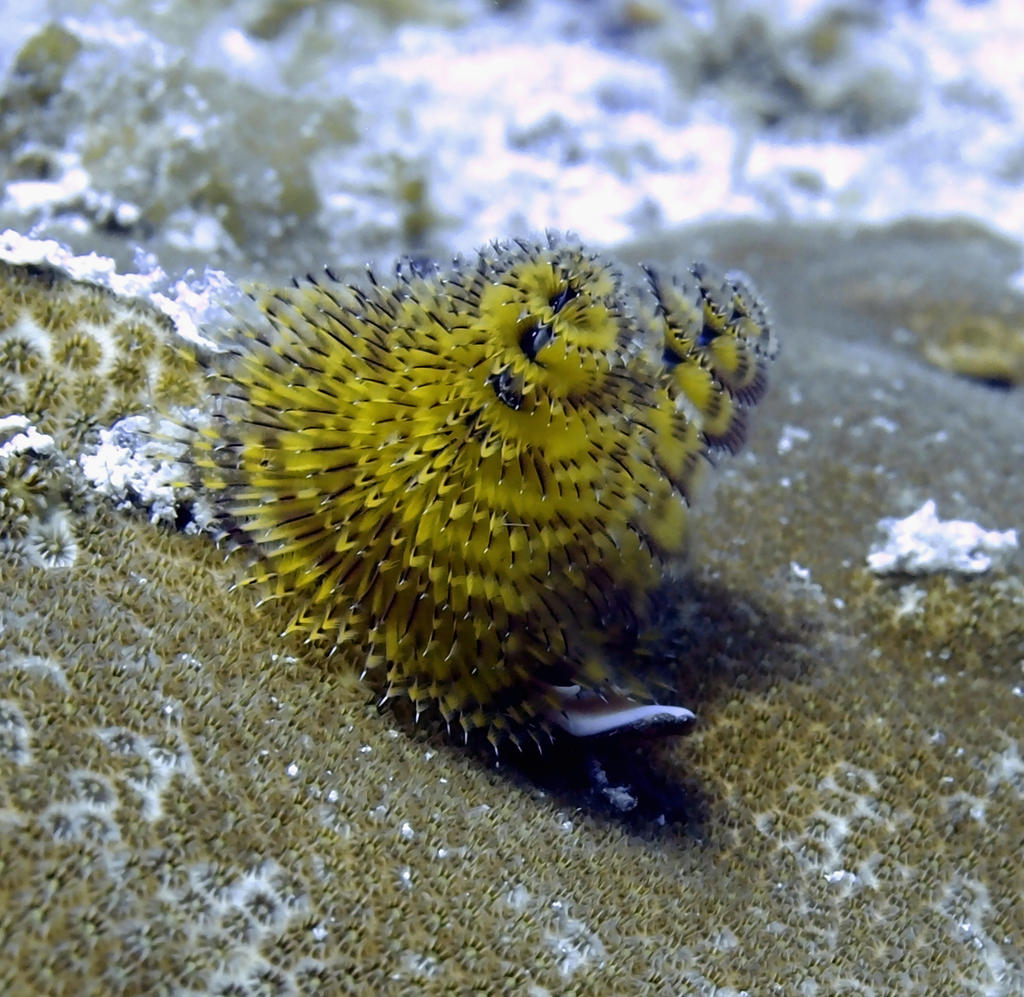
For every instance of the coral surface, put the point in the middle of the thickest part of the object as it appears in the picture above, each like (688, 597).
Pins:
(74, 357)
(192, 804)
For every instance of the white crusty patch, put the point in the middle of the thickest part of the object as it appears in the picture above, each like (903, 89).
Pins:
(199, 303)
(23, 250)
(923, 544)
(25, 438)
(120, 468)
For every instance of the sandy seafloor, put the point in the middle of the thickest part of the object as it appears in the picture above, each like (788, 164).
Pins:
(189, 804)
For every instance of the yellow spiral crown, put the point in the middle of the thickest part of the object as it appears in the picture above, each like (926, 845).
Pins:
(474, 481)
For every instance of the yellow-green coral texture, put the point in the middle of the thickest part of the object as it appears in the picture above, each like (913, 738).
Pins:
(476, 480)
(74, 356)
(191, 804)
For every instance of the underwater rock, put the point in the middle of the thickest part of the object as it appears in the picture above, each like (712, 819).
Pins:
(191, 803)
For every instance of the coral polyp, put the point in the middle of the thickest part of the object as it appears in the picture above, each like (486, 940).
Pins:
(474, 482)
(51, 543)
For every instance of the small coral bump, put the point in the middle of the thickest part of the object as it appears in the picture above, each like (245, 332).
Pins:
(88, 393)
(45, 398)
(176, 387)
(53, 313)
(135, 337)
(78, 350)
(11, 398)
(92, 304)
(126, 374)
(19, 355)
(51, 543)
